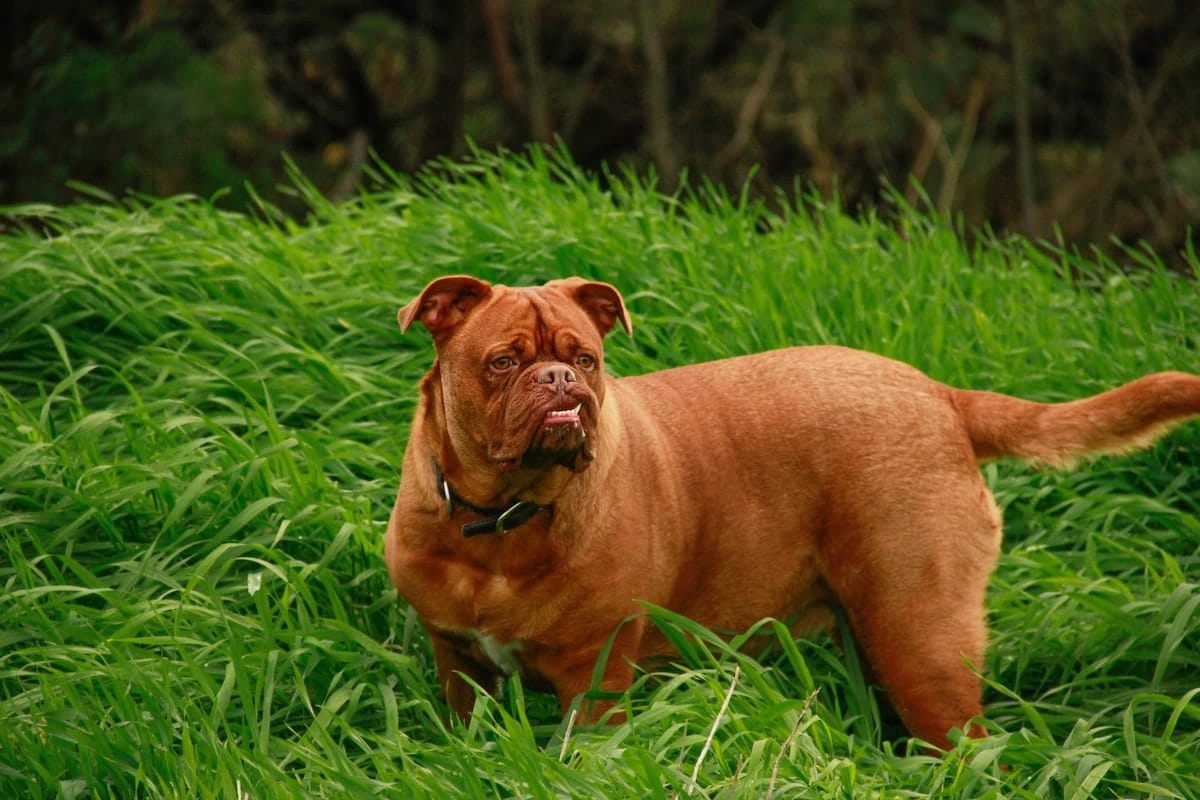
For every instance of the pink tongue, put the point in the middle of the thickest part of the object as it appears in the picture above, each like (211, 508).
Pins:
(555, 419)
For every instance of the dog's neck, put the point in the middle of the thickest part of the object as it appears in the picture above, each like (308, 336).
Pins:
(497, 521)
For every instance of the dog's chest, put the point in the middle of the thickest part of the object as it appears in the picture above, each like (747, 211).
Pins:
(470, 605)
(502, 614)
(503, 655)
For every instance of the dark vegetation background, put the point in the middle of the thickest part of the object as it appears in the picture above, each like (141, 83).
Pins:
(1073, 120)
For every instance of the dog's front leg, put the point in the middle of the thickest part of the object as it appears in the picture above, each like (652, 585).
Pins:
(575, 672)
(454, 665)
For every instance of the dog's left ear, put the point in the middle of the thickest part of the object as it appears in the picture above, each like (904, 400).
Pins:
(444, 303)
(602, 302)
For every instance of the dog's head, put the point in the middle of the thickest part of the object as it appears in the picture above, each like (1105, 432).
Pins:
(521, 371)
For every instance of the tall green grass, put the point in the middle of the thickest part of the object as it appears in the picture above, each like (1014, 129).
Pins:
(201, 422)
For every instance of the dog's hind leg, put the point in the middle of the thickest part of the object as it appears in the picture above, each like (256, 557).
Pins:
(911, 569)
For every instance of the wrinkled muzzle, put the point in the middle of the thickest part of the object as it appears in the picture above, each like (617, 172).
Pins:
(549, 418)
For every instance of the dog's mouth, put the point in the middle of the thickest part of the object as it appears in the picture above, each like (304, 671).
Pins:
(560, 435)
(563, 418)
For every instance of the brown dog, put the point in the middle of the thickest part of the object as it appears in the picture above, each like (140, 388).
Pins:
(540, 499)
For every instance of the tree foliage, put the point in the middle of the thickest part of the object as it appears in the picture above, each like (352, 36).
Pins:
(1079, 119)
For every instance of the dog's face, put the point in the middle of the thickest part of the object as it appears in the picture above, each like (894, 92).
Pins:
(521, 370)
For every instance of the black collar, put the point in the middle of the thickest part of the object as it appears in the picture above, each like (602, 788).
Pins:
(495, 520)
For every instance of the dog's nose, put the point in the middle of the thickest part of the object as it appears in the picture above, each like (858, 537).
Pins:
(557, 375)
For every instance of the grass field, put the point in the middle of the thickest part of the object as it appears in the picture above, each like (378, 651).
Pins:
(201, 421)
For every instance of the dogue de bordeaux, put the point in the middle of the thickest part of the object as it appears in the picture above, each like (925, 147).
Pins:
(540, 499)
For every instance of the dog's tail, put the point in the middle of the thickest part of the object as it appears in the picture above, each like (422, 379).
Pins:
(1057, 434)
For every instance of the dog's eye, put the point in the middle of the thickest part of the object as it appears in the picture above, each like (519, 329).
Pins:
(503, 363)
(586, 361)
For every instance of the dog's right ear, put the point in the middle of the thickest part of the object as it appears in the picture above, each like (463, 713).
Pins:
(444, 303)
